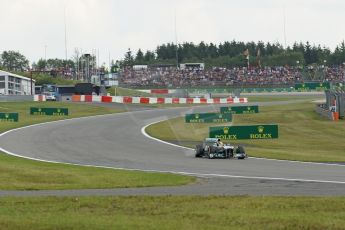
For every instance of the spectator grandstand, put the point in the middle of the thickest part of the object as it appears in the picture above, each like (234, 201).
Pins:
(171, 77)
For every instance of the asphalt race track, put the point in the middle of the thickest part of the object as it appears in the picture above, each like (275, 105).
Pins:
(117, 141)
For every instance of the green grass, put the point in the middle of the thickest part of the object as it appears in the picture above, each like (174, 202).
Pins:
(281, 98)
(23, 108)
(303, 134)
(237, 212)
(21, 174)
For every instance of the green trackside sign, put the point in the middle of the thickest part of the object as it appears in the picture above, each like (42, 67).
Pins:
(208, 118)
(49, 111)
(8, 117)
(312, 86)
(244, 132)
(240, 109)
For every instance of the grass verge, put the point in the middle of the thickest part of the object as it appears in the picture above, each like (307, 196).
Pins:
(21, 174)
(23, 108)
(282, 98)
(237, 212)
(303, 134)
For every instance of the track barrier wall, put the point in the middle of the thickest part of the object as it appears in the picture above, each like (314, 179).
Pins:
(39, 98)
(155, 100)
(334, 108)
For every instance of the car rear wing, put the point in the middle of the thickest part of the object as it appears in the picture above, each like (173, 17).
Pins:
(211, 139)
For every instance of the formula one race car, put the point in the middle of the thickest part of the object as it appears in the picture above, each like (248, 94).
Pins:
(210, 148)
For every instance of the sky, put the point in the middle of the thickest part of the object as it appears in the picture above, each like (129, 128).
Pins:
(36, 28)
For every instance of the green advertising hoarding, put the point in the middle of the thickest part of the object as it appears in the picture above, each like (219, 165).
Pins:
(244, 132)
(240, 109)
(9, 117)
(312, 86)
(208, 118)
(49, 111)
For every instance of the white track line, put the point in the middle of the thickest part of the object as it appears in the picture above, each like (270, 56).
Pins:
(143, 131)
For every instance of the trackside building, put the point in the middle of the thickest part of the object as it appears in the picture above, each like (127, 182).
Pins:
(13, 84)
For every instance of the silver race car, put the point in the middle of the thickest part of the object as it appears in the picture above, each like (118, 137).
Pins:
(210, 148)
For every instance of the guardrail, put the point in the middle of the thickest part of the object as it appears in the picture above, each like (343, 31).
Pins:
(5, 98)
(326, 113)
(155, 100)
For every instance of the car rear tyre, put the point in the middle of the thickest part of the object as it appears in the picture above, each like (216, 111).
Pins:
(231, 153)
(198, 151)
(211, 151)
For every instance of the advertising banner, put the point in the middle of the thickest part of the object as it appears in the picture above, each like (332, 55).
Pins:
(240, 109)
(8, 117)
(244, 132)
(312, 86)
(49, 111)
(208, 118)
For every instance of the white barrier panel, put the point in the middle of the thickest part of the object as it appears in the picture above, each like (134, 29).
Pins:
(82, 98)
(196, 100)
(135, 100)
(96, 98)
(145, 90)
(117, 99)
(223, 101)
(153, 100)
(36, 98)
(168, 100)
(236, 100)
(183, 101)
(210, 101)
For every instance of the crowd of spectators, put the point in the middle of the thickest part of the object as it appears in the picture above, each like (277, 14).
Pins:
(335, 74)
(193, 77)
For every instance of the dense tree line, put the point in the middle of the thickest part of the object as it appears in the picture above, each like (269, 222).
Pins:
(231, 54)
(52, 64)
(227, 54)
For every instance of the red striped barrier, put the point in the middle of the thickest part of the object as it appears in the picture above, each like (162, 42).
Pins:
(160, 100)
(88, 98)
(127, 100)
(144, 100)
(107, 99)
(216, 100)
(190, 100)
(176, 100)
(230, 100)
(160, 91)
(151, 100)
(203, 100)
